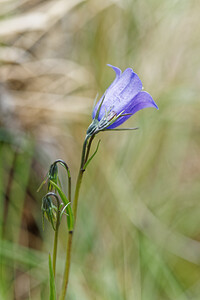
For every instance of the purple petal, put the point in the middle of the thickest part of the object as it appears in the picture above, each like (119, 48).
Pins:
(140, 101)
(122, 92)
(132, 89)
(118, 73)
(128, 81)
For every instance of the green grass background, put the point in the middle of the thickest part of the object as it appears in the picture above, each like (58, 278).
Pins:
(138, 227)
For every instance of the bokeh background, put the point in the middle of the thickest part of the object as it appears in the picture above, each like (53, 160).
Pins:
(138, 228)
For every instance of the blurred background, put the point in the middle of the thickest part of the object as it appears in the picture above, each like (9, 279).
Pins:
(138, 228)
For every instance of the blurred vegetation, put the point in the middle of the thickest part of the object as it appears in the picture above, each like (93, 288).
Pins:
(138, 229)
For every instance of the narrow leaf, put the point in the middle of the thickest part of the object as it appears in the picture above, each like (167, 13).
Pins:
(89, 160)
(43, 182)
(63, 211)
(59, 182)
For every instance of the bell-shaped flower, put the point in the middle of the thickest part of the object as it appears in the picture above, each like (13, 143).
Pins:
(122, 99)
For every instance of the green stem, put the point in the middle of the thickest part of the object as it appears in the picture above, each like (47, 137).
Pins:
(69, 187)
(75, 206)
(67, 266)
(88, 148)
(55, 245)
(76, 196)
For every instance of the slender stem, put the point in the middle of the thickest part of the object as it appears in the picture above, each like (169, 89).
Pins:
(76, 196)
(55, 245)
(67, 266)
(69, 187)
(75, 206)
(88, 147)
(83, 153)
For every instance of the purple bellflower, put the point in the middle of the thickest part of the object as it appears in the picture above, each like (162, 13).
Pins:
(122, 99)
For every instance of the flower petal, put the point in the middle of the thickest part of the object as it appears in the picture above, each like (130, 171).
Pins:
(118, 73)
(121, 92)
(129, 80)
(140, 101)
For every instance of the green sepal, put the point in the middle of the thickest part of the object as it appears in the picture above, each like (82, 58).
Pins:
(98, 110)
(95, 101)
(121, 129)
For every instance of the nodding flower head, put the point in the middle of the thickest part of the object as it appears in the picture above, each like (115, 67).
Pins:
(52, 175)
(48, 210)
(123, 98)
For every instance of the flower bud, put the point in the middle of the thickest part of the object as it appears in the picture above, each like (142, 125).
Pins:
(52, 175)
(48, 210)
